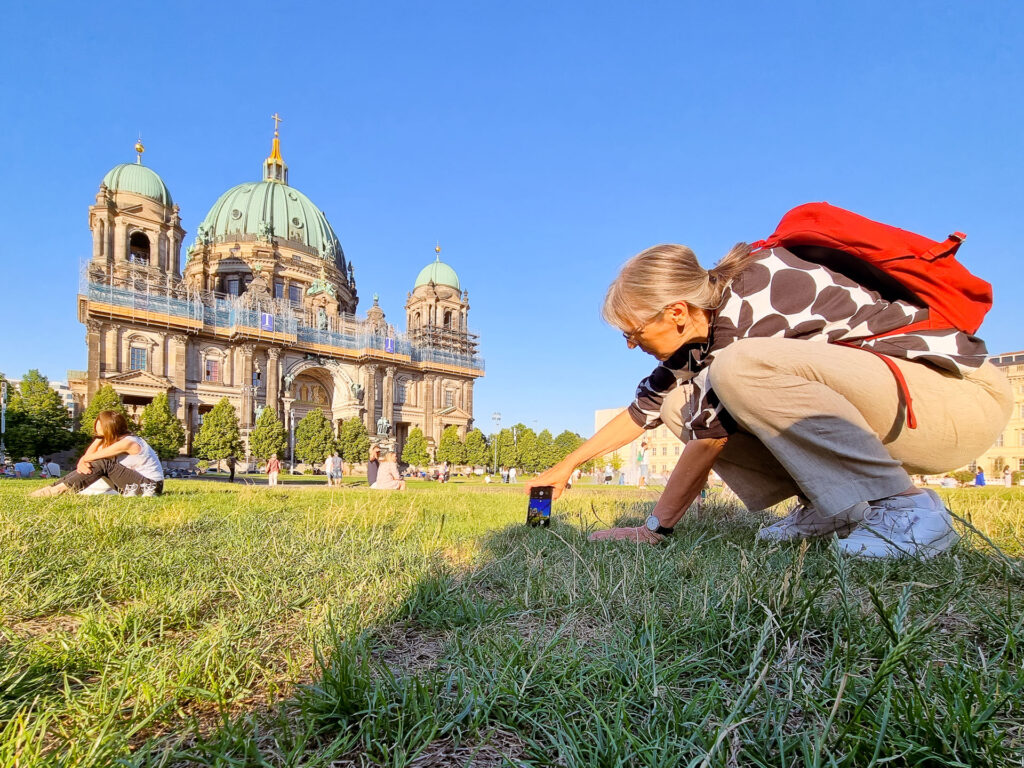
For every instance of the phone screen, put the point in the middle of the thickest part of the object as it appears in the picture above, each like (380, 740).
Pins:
(539, 510)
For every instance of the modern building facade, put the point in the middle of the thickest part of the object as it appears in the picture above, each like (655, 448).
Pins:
(262, 310)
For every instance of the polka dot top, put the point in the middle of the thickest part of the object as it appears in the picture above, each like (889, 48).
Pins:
(783, 296)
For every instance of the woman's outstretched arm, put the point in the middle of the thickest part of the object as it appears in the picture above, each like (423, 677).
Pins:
(616, 433)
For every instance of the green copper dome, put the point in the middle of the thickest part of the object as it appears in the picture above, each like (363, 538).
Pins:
(439, 273)
(137, 178)
(271, 208)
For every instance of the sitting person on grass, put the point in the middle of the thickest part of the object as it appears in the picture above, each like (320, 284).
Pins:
(126, 461)
(388, 476)
(752, 380)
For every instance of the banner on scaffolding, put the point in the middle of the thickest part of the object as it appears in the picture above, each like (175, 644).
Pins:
(266, 322)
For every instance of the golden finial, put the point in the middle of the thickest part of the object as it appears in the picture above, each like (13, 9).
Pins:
(437, 250)
(139, 148)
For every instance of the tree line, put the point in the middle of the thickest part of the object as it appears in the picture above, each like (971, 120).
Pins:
(39, 424)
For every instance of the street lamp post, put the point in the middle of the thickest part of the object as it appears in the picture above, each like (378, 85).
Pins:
(496, 416)
(3, 421)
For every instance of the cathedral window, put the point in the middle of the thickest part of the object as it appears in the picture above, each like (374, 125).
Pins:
(137, 359)
(399, 392)
(212, 370)
(448, 319)
(449, 398)
(294, 293)
(257, 379)
(278, 289)
(233, 285)
(138, 249)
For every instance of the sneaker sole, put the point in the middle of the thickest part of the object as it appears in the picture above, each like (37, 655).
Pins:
(921, 551)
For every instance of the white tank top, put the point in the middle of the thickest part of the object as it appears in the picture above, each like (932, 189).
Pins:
(145, 462)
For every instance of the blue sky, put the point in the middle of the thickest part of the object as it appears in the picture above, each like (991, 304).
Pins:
(542, 143)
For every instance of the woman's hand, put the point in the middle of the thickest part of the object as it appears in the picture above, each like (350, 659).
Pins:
(557, 477)
(641, 534)
(84, 466)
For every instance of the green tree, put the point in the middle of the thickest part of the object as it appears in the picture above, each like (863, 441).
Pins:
(105, 399)
(615, 460)
(477, 454)
(564, 444)
(508, 456)
(268, 436)
(161, 428)
(545, 450)
(37, 421)
(450, 448)
(529, 456)
(314, 438)
(354, 441)
(218, 437)
(415, 450)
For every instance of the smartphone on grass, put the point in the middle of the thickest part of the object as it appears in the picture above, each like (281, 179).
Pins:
(539, 510)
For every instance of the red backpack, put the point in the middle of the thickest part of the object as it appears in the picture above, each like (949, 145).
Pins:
(896, 263)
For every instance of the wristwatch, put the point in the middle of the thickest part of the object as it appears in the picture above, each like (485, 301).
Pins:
(654, 525)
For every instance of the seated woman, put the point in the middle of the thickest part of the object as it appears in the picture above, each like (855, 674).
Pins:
(750, 379)
(388, 476)
(123, 459)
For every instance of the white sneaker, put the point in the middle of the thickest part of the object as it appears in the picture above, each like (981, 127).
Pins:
(804, 521)
(903, 526)
(149, 489)
(132, 489)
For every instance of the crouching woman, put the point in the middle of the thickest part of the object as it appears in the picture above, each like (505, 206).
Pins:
(125, 460)
(751, 379)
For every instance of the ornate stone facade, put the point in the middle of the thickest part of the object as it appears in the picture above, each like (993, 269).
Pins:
(263, 313)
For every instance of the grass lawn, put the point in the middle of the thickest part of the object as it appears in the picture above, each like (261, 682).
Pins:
(235, 625)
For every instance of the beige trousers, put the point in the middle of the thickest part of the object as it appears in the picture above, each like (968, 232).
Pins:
(827, 422)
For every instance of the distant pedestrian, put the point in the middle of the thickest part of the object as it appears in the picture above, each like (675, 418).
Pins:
(641, 460)
(504, 474)
(607, 474)
(334, 469)
(230, 461)
(273, 470)
(512, 474)
(1007, 477)
(979, 479)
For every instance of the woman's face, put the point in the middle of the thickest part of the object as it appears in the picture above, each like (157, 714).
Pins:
(96, 431)
(677, 324)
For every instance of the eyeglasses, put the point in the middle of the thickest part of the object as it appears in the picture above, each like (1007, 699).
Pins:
(632, 336)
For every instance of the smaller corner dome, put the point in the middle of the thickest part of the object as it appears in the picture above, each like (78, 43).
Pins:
(137, 178)
(438, 273)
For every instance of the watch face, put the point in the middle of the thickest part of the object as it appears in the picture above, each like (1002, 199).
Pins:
(653, 523)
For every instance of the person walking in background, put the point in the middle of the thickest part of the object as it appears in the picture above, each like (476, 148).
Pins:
(979, 479)
(273, 470)
(334, 469)
(230, 461)
(373, 465)
(641, 460)
(512, 472)
(123, 459)
(1007, 477)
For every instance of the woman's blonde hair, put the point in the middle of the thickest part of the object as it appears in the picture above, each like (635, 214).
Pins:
(110, 426)
(665, 274)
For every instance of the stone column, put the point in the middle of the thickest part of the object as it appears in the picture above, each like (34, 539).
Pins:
(246, 351)
(388, 400)
(467, 400)
(179, 368)
(158, 355)
(93, 340)
(97, 238)
(120, 243)
(273, 378)
(428, 405)
(111, 348)
(370, 395)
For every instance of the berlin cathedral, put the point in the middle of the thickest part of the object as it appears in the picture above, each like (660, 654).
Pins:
(262, 311)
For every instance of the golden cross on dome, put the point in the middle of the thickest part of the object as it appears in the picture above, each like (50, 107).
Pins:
(276, 120)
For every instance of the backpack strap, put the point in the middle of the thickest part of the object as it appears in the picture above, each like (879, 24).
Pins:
(901, 382)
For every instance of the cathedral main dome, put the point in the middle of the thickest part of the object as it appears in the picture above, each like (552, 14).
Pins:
(248, 208)
(271, 208)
